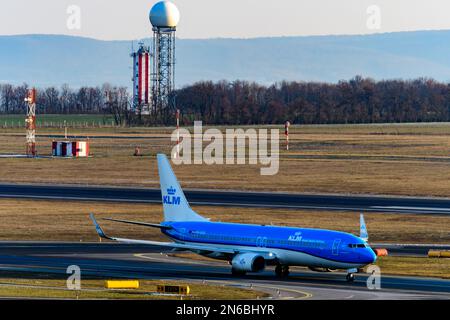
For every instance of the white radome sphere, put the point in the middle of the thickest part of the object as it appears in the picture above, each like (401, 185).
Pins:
(164, 14)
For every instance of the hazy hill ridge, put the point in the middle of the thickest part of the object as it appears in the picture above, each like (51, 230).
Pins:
(44, 60)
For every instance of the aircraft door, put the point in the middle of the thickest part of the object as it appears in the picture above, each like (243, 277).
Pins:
(261, 242)
(335, 249)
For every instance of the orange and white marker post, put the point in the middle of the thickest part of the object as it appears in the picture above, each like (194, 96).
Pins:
(178, 134)
(286, 133)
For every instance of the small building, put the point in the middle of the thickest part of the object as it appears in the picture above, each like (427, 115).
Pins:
(70, 148)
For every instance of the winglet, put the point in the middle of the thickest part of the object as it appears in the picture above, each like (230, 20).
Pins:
(363, 234)
(98, 228)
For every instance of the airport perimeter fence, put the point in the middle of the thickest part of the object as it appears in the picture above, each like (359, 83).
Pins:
(11, 124)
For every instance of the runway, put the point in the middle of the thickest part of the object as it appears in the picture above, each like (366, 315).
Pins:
(145, 262)
(407, 205)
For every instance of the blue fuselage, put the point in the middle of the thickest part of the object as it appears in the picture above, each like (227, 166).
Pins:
(296, 246)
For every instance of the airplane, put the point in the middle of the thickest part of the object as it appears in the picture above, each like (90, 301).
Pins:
(250, 247)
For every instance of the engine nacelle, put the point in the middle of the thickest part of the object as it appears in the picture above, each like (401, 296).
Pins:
(248, 262)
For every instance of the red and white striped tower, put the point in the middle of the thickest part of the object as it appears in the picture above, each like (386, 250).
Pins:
(286, 133)
(31, 123)
(178, 134)
(141, 79)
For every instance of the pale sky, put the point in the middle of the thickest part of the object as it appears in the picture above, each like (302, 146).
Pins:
(128, 19)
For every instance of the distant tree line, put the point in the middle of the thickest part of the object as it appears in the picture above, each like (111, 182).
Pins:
(106, 99)
(52, 100)
(359, 100)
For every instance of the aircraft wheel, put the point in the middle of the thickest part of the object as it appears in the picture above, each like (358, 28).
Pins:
(236, 272)
(281, 271)
(278, 270)
(350, 277)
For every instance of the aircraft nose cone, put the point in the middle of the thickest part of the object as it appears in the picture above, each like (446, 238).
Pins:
(371, 256)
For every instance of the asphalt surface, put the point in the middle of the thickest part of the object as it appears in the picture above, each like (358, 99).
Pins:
(407, 205)
(146, 262)
(410, 249)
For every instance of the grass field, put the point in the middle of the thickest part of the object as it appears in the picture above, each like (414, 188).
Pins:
(415, 266)
(407, 159)
(69, 221)
(37, 285)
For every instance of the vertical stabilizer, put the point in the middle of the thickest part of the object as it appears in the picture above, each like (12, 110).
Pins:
(362, 228)
(175, 205)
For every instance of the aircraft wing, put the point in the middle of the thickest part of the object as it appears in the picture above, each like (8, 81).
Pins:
(152, 225)
(198, 248)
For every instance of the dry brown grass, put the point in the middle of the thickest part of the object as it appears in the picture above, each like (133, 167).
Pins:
(53, 286)
(415, 266)
(69, 221)
(391, 159)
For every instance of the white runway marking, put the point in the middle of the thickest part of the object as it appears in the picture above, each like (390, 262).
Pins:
(412, 208)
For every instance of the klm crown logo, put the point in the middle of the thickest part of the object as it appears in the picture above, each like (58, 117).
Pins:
(171, 198)
(171, 190)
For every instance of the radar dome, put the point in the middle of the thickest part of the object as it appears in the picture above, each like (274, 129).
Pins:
(164, 14)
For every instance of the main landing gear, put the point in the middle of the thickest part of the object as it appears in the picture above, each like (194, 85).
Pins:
(236, 272)
(281, 271)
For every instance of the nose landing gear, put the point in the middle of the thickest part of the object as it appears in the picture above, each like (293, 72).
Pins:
(281, 271)
(351, 275)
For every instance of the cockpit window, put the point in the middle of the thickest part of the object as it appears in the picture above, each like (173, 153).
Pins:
(357, 245)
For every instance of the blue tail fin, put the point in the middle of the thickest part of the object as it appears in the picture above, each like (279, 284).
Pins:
(363, 234)
(175, 205)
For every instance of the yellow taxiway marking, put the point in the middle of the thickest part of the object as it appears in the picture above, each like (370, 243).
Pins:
(306, 295)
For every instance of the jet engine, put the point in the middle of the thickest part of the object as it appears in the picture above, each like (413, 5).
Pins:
(248, 262)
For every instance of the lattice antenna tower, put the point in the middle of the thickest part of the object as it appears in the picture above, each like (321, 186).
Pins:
(30, 122)
(164, 17)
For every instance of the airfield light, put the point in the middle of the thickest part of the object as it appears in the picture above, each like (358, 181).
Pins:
(286, 133)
